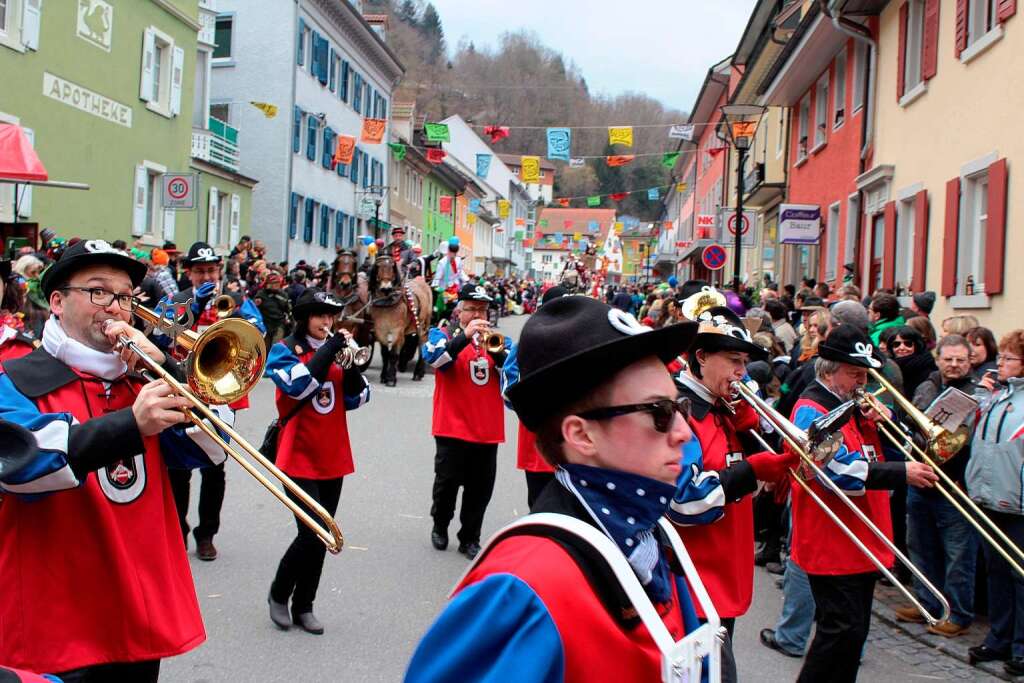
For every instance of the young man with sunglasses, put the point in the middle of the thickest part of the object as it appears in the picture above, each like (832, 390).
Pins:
(90, 529)
(537, 606)
(712, 507)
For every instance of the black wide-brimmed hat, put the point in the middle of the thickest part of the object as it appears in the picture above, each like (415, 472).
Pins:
(313, 301)
(90, 253)
(722, 330)
(812, 303)
(574, 343)
(201, 252)
(471, 292)
(846, 344)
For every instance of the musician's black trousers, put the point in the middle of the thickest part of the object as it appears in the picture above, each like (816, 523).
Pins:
(842, 617)
(211, 499)
(471, 466)
(298, 573)
(134, 672)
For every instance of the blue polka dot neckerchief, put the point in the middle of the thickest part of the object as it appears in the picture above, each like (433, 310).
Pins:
(626, 507)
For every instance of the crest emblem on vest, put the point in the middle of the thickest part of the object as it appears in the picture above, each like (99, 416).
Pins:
(323, 403)
(733, 458)
(479, 371)
(125, 480)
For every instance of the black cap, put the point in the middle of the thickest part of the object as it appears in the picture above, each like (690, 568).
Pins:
(5, 269)
(573, 344)
(812, 303)
(90, 253)
(471, 292)
(722, 330)
(846, 344)
(201, 252)
(925, 301)
(313, 301)
(553, 293)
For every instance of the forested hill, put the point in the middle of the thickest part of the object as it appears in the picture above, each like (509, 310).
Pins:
(521, 82)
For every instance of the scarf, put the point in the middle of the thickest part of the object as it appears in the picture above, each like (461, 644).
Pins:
(315, 343)
(77, 356)
(626, 507)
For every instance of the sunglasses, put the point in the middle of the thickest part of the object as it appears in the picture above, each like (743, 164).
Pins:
(661, 411)
(896, 343)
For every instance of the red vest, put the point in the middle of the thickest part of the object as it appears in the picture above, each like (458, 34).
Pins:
(314, 444)
(594, 644)
(819, 547)
(96, 574)
(467, 401)
(723, 551)
(14, 348)
(528, 458)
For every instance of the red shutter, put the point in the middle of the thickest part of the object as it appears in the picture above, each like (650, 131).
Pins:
(930, 44)
(960, 43)
(949, 239)
(1006, 9)
(995, 234)
(901, 53)
(917, 280)
(889, 258)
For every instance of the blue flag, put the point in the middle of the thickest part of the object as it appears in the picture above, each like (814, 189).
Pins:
(592, 226)
(474, 206)
(559, 140)
(483, 164)
(653, 194)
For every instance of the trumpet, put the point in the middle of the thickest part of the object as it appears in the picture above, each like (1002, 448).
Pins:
(491, 341)
(815, 449)
(941, 442)
(224, 363)
(224, 306)
(352, 353)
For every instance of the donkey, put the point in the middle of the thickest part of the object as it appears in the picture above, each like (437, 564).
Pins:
(392, 320)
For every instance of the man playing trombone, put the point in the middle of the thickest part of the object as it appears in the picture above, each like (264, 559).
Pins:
(90, 528)
(842, 578)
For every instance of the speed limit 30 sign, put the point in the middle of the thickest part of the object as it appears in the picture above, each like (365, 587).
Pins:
(179, 190)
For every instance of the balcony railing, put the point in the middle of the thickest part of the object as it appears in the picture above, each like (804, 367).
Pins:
(217, 145)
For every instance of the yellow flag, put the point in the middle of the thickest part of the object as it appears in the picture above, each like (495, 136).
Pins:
(503, 208)
(577, 236)
(680, 187)
(530, 172)
(269, 110)
(619, 228)
(622, 135)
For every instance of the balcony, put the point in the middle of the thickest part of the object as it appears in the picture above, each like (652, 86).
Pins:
(217, 145)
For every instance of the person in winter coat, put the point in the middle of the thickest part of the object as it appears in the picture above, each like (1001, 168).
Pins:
(275, 307)
(907, 347)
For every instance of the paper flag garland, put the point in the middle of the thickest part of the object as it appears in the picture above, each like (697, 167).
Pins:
(559, 141)
(653, 194)
(437, 132)
(563, 202)
(669, 160)
(496, 133)
(593, 226)
(618, 196)
(343, 150)
(619, 159)
(667, 224)
(567, 224)
(681, 132)
(594, 201)
(445, 204)
(373, 131)
(529, 169)
(681, 187)
(436, 156)
(474, 206)
(520, 221)
(543, 222)
(621, 135)
(577, 236)
(398, 150)
(577, 163)
(269, 110)
(483, 165)
(503, 208)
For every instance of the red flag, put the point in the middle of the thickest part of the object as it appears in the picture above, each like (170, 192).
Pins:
(563, 201)
(715, 151)
(436, 156)
(618, 196)
(445, 204)
(567, 224)
(497, 133)
(619, 159)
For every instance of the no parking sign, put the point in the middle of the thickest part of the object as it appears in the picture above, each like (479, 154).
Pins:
(713, 257)
(179, 190)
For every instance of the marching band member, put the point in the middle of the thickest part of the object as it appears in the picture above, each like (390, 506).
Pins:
(595, 390)
(314, 395)
(842, 578)
(99, 484)
(468, 422)
(15, 341)
(712, 507)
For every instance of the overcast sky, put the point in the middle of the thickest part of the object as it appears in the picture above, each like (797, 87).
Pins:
(663, 49)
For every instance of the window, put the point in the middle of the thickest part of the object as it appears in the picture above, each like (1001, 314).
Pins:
(19, 24)
(971, 237)
(222, 34)
(860, 70)
(839, 93)
(3, 16)
(913, 46)
(832, 242)
(877, 250)
(311, 130)
(162, 66)
(339, 229)
(821, 111)
(307, 226)
(200, 90)
(981, 18)
(297, 130)
(325, 224)
(159, 54)
(546, 258)
(904, 258)
(221, 111)
(147, 214)
(805, 114)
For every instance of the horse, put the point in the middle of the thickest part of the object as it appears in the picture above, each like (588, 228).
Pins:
(350, 287)
(393, 321)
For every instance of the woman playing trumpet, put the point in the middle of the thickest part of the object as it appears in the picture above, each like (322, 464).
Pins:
(314, 395)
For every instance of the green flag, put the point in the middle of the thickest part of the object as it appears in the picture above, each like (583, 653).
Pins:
(398, 150)
(594, 201)
(437, 132)
(669, 160)
(543, 222)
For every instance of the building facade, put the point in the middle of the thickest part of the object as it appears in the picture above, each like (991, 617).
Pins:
(542, 192)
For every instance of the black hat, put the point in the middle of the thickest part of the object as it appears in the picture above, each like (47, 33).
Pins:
(846, 344)
(812, 303)
(90, 253)
(722, 330)
(925, 301)
(691, 287)
(313, 301)
(201, 252)
(397, 228)
(471, 292)
(574, 343)
(553, 293)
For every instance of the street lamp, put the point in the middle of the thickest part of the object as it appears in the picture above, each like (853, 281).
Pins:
(742, 120)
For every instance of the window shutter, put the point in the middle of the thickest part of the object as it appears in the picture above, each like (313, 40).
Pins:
(177, 67)
(212, 218)
(301, 47)
(901, 52)
(930, 44)
(366, 170)
(297, 131)
(236, 217)
(343, 86)
(334, 74)
(383, 107)
(148, 55)
(355, 167)
(325, 224)
(30, 20)
(950, 237)
(368, 104)
(321, 58)
(139, 201)
(292, 217)
(307, 228)
(25, 191)
(960, 43)
(889, 259)
(339, 229)
(311, 138)
(357, 92)
(169, 219)
(325, 156)
(995, 234)
(917, 280)
(1006, 9)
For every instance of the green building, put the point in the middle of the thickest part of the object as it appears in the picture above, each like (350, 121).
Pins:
(115, 95)
(443, 181)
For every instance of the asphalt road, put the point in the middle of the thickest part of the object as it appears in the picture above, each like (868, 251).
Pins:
(382, 592)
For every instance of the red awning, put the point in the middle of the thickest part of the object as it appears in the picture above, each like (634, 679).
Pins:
(18, 161)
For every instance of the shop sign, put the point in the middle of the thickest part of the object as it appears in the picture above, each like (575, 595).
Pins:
(799, 223)
(86, 100)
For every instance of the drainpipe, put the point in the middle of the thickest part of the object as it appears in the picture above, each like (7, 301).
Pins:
(291, 156)
(860, 33)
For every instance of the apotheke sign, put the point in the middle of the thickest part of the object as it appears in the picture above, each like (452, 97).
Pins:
(86, 100)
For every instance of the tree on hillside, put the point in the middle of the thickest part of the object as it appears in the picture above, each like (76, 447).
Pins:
(408, 12)
(430, 27)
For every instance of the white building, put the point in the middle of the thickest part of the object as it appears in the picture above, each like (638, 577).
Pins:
(325, 75)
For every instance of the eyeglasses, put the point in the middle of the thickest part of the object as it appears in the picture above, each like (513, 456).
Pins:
(661, 411)
(1003, 358)
(104, 297)
(896, 343)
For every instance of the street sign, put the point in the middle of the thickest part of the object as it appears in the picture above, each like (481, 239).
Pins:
(728, 219)
(367, 207)
(713, 257)
(179, 190)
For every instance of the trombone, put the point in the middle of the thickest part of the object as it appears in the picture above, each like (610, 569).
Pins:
(224, 364)
(942, 445)
(811, 455)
